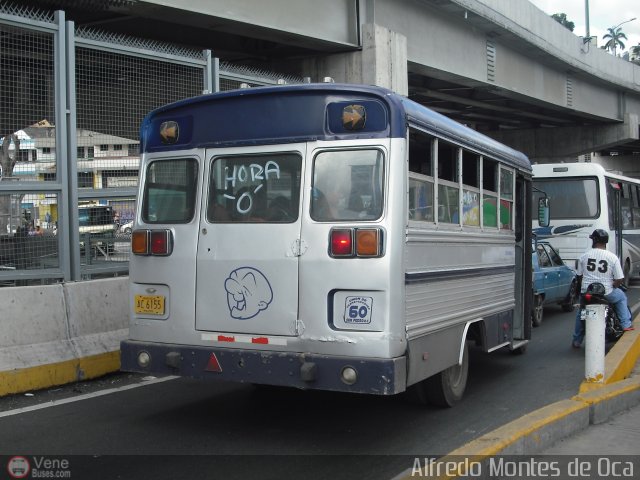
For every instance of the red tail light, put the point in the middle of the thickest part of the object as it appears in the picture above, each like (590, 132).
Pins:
(587, 297)
(160, 242)
(355, 242)
(152, 242)
(342, 242)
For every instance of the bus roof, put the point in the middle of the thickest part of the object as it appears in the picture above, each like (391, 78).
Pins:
(306, 112)
(576, 169)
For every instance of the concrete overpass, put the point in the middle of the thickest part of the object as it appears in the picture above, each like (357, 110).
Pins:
(502, 67)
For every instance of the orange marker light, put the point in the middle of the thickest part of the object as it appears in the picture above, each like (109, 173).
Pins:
(139, 242)
(367, 242)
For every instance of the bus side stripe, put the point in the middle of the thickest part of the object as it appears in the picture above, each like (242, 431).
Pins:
(419, 277)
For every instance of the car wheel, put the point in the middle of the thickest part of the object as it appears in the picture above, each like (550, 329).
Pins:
(536, 314)
(572, 298)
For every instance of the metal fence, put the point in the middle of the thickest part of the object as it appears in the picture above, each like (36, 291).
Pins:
(71, 103)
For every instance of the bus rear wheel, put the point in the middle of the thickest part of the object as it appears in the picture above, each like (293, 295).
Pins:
(445, 388)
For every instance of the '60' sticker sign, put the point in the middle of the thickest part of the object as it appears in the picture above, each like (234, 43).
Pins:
(358, 310)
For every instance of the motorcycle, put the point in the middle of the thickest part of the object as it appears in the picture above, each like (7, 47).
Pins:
(594, 295)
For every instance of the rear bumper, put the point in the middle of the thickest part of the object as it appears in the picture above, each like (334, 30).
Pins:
(300, 370)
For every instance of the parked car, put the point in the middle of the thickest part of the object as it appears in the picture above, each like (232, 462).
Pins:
(126, 228)
(553, 281)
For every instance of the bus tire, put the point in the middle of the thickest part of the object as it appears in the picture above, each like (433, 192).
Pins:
(446, 388)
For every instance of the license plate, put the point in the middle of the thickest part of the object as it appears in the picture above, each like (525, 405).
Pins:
(149, 304)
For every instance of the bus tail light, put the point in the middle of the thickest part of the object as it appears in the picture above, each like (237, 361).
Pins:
(152, 242)
(355, 242)
(342, 242)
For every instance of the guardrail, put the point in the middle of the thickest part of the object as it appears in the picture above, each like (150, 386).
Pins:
(56, 334)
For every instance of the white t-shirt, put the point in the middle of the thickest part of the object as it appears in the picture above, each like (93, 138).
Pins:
(599, 265)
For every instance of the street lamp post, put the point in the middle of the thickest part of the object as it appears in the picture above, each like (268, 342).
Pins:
(587, 37)
(626, 21)
(613, 31)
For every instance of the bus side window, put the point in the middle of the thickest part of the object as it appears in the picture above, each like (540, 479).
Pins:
(635, 205)
(625, 205)
(489, 193)
(471, 189)
(420, 176)
(448, 187)
(506, 198)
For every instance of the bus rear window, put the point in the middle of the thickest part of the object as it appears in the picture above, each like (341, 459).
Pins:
(255, 189)
(170, 191)
(347, 185)
(571, 198)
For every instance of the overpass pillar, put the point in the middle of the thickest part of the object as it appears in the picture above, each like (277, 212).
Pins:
(382, 61)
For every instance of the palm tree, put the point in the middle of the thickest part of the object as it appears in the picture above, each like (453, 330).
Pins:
(613, 39)
(561, 18)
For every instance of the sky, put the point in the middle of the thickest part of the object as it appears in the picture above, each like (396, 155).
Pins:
(602, 15)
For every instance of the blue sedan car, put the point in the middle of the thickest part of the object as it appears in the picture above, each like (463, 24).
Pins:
(553, 281)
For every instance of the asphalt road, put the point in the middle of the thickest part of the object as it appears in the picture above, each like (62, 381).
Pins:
(240, 431)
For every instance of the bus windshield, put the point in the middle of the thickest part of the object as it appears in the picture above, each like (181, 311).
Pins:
(571, 198)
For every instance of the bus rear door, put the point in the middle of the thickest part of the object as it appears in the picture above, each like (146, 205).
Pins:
(248, 247)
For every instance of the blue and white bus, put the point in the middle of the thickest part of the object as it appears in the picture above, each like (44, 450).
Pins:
(585, 197)
(326, 236)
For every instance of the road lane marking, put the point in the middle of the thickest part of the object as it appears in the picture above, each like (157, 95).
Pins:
(86, 396)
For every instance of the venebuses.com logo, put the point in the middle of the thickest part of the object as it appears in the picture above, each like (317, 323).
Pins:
(18, 467)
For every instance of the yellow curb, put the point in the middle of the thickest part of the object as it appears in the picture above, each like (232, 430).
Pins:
(607, 392)
(53, 374)
(619, 361)
(495, 442)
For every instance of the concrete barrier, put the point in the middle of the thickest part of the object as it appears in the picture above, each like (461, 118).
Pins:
(57, 334)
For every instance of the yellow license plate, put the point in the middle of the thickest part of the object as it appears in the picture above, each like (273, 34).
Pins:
(149, 304)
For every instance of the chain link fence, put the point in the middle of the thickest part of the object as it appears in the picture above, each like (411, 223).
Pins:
(71, 105)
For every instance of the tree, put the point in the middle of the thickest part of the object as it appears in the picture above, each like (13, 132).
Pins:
(561, 18)
(635, 54)
(614, 39)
